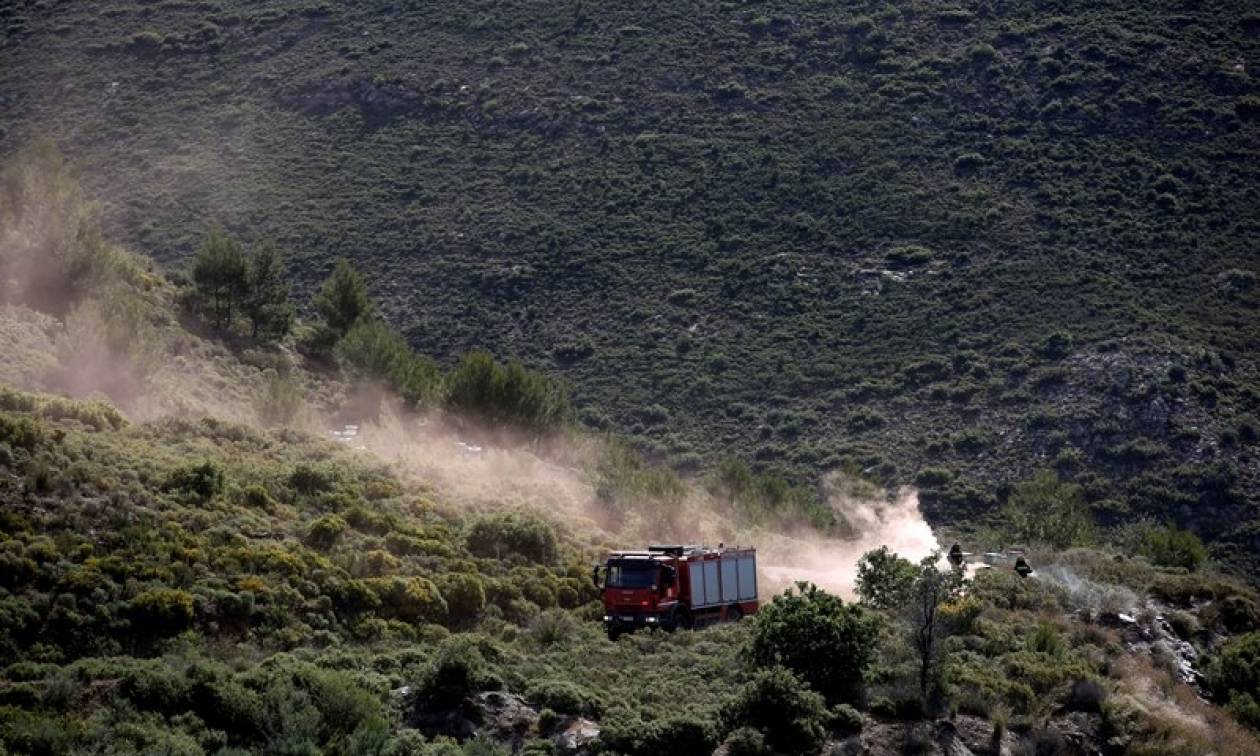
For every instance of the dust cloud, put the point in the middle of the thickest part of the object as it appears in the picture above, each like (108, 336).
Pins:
(558, 478)
(481, 468)
(831, 563)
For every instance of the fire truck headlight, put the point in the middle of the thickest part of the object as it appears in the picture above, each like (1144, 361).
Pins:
(651, 619)
(607, 618)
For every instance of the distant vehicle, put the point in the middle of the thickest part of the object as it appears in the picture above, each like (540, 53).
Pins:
(674, 587)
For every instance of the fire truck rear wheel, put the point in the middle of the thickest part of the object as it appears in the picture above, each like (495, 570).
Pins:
(734, 613)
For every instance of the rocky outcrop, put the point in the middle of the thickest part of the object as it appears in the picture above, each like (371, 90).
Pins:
(505, 718)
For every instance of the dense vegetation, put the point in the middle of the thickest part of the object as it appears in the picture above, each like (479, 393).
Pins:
(1004, 252)
(189, 586)
(972, 240)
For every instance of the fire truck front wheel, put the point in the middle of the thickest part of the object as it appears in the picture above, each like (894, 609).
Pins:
(678, 618)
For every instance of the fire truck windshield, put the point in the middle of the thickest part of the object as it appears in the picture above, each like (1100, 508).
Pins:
(629, 575)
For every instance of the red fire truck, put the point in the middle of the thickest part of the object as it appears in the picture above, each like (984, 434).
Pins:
(676, 586)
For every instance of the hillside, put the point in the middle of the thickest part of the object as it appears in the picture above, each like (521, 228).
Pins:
(846, 281)
(187, 584)
(950, 244)
(199, 555)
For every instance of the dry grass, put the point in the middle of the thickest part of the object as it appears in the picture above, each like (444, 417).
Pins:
(1155, 714)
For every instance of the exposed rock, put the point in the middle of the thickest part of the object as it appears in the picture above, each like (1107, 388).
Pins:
(505, 716)
(577, 736)
(1078, 733)
(943, 737)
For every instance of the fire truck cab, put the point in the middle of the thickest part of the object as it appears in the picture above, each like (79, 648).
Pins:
(671, 587)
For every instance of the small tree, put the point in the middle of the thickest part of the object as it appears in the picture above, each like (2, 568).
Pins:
(790, 717)
(885, 580)
(267, 304)
(343, 299)
(1171, 546)
(510, 393)
(1234, 675)
(932, 588)
(827, 643)
(372, 349)
(1044, 509)
(221, 275)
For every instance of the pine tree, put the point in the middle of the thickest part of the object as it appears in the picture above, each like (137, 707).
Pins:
(267, 305)
(343, 299)
(221, 274)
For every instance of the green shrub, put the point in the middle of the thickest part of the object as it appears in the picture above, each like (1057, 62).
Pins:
(510, 394)
(255, 496)
(1234, 673)
(500, 534)
(323, 532)
(884, 580)
(372, 349)
(406, 545)
(980, 54)
(343, 702)
(21, 432)
(1055, 346)
(746, 741)
(374, 563)
(202, 481)
(1005, 589)
(1239, 614)
(1046, 639)
(370, 520)
(458, 670)
(969, 162)
(414, 599)
(465, 596)
(354, 597)
(310, 480)
(1045, 510)
(933, 477)
(767, 497)
(552, 627)
(162, 611)
(828, 643)
(674, 735)
(846, 719)
(908, 256)
(1170, 546)
(792, 717)
(562, 696)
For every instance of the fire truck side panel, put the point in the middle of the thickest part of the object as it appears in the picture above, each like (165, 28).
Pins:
(696, 571)
(685, 585)
(730, 579)
(747, 567)
(712, 588)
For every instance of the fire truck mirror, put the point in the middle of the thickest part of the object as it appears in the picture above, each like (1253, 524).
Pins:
(595, 575)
